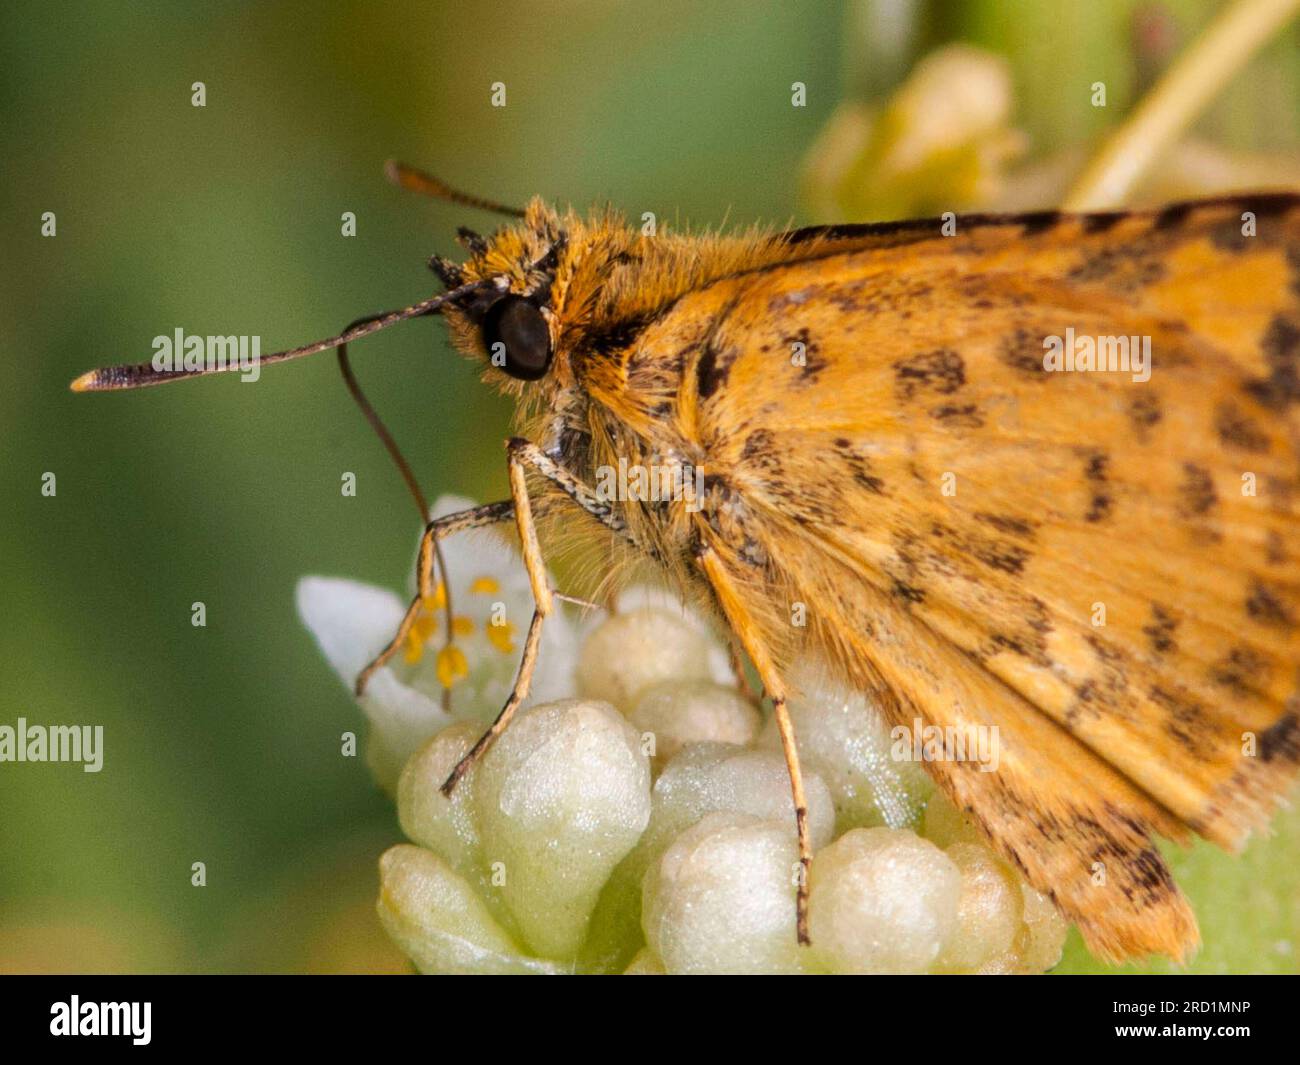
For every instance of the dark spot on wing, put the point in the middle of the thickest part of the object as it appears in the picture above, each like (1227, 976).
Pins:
(1099, 508)
(1095, 265)
(1138, 870)
(1104, 651)
(1083, 696)
(1037, 222)
(714, 365)
(812, 361)
(940, 372)
(1227, 235)
(709, 376)
(1264, 606)
(1197, 496)
(1004, 642)
(1281, 339)
(1124, 268)
(1108, 685)
(1186, 720)
(1281, 346)
(1239, 669)
(616, 337)
(1160, 630)
(758, 443)
(996, 554)
(907, 592)
(964, 416)
(1022, 350)
(1012, 526)
(859, 466)
(1237, 430)
(1281, 740)
(1094, 471)
(1276, 549)
(1102, 221)
(1144, 412)
(1150, 874)
(1039, 619)
(1030, 642)
(1000, 555)
(1174, 215)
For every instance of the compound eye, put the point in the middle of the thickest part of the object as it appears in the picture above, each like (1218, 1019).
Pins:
(517, 338)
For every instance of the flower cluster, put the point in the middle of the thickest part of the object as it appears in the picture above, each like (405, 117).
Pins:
(646, 825)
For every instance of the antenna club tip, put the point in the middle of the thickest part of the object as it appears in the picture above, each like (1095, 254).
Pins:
(402, 175)
(87, 382)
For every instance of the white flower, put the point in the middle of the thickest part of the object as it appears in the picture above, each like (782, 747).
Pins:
(491, 606)
(650, 817)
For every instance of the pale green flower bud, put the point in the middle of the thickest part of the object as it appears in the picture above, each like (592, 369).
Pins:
(444, 825)
(630, 652)
(721, 899)
(435, 917)
(882, 901)
(680, 712)
(988, 915)
(709, 777)
(561, 797)
(1042, 937)
(704, 778)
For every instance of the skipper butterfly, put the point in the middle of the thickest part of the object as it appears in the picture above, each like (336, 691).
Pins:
(1031, 474)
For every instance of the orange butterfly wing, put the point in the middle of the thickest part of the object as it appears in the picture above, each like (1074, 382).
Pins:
(835, 397)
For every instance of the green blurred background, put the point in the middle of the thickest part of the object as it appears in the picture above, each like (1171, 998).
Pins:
(222, 743)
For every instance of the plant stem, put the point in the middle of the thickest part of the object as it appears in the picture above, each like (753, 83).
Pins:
(1184, 91)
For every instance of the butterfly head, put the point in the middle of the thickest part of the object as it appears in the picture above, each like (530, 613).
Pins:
(512, 283)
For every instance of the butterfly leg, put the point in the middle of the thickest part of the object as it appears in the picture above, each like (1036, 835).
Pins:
(747, 634)
(474, 518)
(524, 455)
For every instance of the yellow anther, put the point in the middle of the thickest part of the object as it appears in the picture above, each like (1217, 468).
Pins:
(502, 636)
(485, 586)
(423, 627)
(414, 648)
(452, 665)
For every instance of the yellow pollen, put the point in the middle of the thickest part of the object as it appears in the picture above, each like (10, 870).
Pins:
(461, 626)
(451, 665)
(425, 625)
(485, 586)
(502, 636)
(414, 648)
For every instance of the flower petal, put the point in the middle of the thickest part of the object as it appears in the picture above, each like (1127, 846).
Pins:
(352, 622)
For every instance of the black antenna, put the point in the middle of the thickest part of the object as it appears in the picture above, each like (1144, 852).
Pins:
(142, 375)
